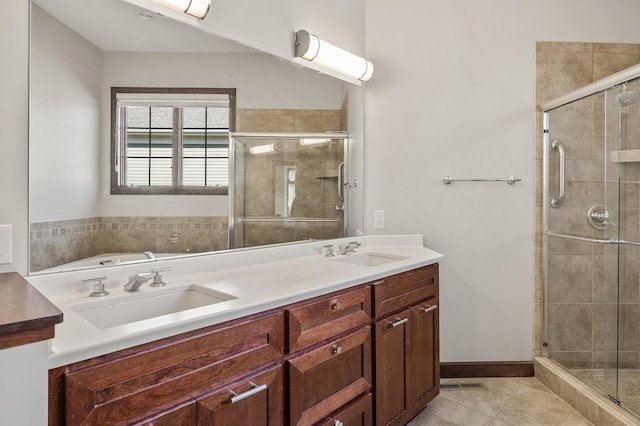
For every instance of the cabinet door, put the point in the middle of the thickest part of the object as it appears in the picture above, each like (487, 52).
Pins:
(182, 415)
(255, 401)
(394, 404)
(425, 353)
(327, 378)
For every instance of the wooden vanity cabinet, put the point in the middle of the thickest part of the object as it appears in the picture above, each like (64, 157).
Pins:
(407, 352)
(364, 355)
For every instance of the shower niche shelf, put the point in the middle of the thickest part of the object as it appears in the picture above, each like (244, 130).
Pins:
(626, 156)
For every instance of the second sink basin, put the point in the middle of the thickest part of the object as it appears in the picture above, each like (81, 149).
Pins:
(106, 313)
(369, 259)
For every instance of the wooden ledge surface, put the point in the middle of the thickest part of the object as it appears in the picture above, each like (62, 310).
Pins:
(26, 316)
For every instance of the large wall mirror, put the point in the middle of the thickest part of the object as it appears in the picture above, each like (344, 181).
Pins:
(80, 50)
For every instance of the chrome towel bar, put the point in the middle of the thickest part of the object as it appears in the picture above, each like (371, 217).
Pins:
(510, 180)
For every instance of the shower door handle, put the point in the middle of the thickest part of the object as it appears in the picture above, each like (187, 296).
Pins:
(340, 180)
(555, 202)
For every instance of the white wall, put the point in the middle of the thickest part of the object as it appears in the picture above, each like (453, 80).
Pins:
(14, 127)
(453, 94)
(66, 96)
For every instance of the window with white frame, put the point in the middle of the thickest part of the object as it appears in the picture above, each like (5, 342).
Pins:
(171, 141)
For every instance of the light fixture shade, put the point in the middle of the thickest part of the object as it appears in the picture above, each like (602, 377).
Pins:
(312, 48)
(263, 149)
(313, 141)
(195, 8)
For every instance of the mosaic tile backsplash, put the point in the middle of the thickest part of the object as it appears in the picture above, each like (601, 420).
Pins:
(60, 242)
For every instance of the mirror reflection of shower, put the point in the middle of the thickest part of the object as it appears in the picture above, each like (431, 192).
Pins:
(626, 97)
(287, 187)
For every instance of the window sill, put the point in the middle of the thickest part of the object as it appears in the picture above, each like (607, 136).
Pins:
(169, 190)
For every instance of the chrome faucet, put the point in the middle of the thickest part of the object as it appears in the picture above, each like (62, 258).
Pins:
(135, 281)
(149, 255)
(349, 248)
(98, 286)
(329, 250)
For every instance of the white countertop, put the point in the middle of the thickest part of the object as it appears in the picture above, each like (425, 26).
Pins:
(260, 279)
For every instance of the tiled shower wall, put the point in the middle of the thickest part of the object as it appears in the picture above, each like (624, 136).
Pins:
(582, 312)
(59, 242)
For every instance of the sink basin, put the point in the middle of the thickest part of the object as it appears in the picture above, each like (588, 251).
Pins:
(369, 259)
(107, 313)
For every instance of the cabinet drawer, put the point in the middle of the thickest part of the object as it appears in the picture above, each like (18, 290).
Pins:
(329, 377)
(357, 413)
(182, 415)
(254, 401)
(320, 320)
(162, 374)
(396, 292)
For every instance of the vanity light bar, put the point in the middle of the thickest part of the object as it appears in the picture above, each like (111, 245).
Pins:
(312, 48)
(196, 8)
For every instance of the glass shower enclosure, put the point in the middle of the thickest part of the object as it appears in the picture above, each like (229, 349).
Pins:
(287, 187)
(591, 235)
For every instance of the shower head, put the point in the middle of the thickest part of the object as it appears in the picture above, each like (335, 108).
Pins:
(626, 98)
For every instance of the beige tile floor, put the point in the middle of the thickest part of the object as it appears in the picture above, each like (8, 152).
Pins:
(500, 402)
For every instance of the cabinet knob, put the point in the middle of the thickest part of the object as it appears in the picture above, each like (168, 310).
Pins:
(337, 349)
(335, 305)
(338, 423)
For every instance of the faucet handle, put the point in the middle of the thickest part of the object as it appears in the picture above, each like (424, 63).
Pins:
(329, 249)
(355, 244)
(98, 286)
(157, 278)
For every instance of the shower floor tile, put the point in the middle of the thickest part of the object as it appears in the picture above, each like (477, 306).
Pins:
(499, 401)
(628, 385)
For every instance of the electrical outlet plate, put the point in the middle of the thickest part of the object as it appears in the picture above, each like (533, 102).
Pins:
(5, 244)
(378, 219)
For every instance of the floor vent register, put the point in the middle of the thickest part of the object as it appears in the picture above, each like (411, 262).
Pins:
(461, 386)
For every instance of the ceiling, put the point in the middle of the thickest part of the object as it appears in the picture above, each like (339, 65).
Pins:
(113, 26)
